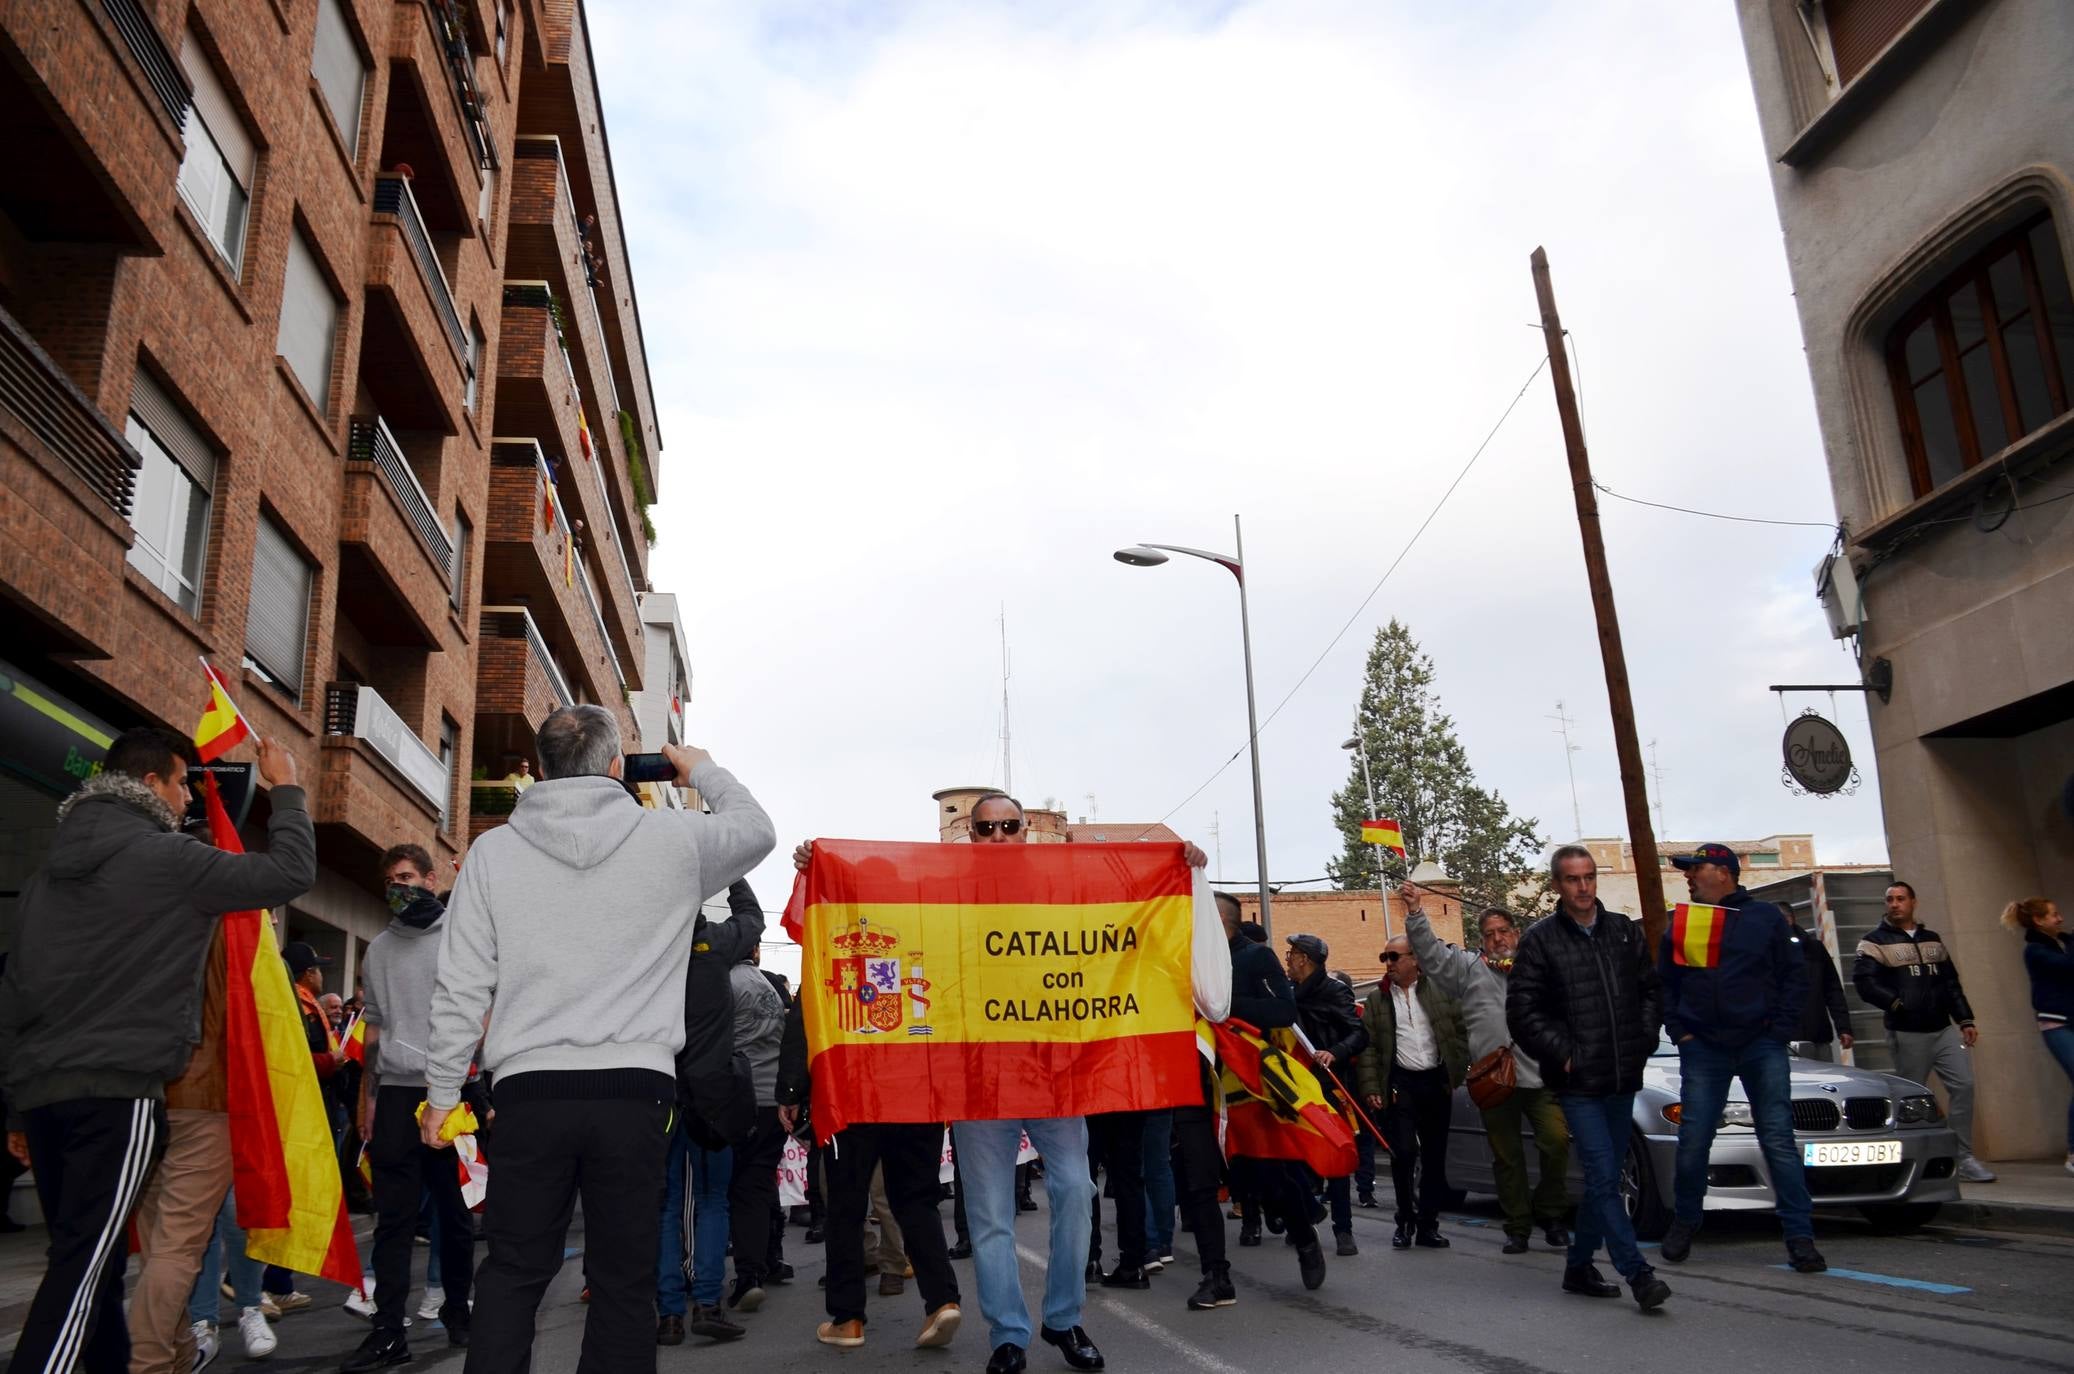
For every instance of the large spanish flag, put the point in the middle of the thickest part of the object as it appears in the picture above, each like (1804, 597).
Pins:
(291, 1200)
(987, 982)
(1695, 934)
(1385, 832)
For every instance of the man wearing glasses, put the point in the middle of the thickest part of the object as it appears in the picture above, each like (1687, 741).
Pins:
(102, 1005)
(1415, 1059)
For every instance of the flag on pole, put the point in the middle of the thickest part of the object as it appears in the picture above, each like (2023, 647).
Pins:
(221, 726)
(547, 503)
(568, 560)
(353, 1044)
(583, 435)
(1276, 1105)
(1387, 833)
(1696, 933)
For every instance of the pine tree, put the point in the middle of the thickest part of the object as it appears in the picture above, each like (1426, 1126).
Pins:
(1424, 782)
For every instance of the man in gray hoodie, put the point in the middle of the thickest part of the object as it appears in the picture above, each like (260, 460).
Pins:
(401, 970)
(569, 931)
(1477, 981)
(102, 1005)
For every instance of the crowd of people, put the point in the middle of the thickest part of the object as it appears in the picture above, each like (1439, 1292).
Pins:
(570, 1003)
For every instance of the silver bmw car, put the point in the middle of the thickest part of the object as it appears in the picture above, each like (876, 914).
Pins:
(1869, 1140)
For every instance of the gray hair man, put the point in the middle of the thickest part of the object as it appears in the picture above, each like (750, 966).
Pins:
(575, 923)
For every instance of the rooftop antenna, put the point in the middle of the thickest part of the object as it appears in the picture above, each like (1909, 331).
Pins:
(1570, 752)
(1007, 767)
(1656, 775)
(1217, 845)
(1094, 811)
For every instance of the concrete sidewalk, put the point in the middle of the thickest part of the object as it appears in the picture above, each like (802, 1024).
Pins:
(2027, 1195)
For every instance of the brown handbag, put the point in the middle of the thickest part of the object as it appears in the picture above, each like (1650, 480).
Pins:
(1492, 1078)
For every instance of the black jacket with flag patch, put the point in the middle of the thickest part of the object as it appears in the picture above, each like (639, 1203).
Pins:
(1756, 986)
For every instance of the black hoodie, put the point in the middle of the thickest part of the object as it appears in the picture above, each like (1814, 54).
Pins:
(103, 991)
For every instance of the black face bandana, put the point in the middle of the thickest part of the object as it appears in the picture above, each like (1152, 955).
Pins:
(415, 906)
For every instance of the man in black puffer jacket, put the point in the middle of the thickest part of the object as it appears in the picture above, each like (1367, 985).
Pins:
(1585, 1002)
(1332, 1023)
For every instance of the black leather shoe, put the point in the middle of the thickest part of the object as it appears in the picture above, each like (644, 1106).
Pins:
(1429, 1237)
(456, 1333)
(815, 1235)
(1007, 1359)
(1274, 1223)
(1677, 1243)
(1343, 1243)
(714, 1324)
(1249, 1233)
(1649, 1290)
(1557, 1235)
(380, 1350)
(1515, 1245)
(1586, 1279)
(782, 1272)
(1026, 1203)
(1214, 1291)
(1122, 1276)
(670, 1331)
(1310, 1262)
(1094, 1271)
(1400, 1239)
(961, 1250)
(1080, 1352)
(1367, 1200)
(1804, 1257)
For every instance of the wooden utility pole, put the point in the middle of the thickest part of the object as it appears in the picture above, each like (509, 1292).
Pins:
(1649, 882)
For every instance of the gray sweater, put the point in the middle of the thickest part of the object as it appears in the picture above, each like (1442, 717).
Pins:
(575, 920)
(401, 971)
(759, 1028)
(1478, 987)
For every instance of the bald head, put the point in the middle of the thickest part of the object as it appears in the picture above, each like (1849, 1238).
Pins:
(1404, 966)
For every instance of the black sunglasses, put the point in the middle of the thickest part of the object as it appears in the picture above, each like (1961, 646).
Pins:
(1390, 955)
(1008, 827)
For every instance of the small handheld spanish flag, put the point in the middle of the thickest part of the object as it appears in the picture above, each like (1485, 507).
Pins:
(221, 725)
(1387, 833)
(1696, 933)
(353, 1044)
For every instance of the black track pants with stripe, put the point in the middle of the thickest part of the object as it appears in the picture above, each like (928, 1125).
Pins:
(91, 1158)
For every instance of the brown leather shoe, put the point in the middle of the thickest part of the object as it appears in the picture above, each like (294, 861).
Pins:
(941, 1326)
(847, 1334)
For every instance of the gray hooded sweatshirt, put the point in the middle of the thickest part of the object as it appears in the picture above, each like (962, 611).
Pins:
(401, 971)
(572, 927)
(1480, 989)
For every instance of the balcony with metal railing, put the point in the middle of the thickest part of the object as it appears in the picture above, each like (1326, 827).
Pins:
(404, 271)
(396, 559)
(517, 683)
(377, 779)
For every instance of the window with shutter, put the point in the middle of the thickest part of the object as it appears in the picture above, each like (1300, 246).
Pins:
(340, 73)
(170, 511)
(309, 321)
(277, 624)
(216, 173)
(449, 759)
(1859, 30)
(463, 533)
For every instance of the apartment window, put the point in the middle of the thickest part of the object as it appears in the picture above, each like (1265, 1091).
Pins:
(1985, 357)
(277, 624)
(471, 387)
(463, 533)
(309, 321)
(449, 754)
(1859, 30)
(170, 511)
(216, 173)
(340, 73)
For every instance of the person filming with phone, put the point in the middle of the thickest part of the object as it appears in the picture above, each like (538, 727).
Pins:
(575, 923)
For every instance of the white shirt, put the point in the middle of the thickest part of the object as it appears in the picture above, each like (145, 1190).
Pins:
(1416, 1048)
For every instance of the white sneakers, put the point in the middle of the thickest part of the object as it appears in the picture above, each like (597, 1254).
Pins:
(259, 1338)
(360, 1303)
(204, 1345)
(435, 1298)
(1973, 1171)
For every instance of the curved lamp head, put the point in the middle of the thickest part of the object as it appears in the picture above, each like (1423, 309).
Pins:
(1351, 742)
(1138, 556)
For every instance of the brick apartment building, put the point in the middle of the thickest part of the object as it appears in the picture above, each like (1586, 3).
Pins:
(319, 359)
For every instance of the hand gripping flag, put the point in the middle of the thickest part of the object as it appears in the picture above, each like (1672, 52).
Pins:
(1387, 833)
(1276, 1104)
(1696, 932)
(353, 1044)
(221, 725)
(989, 982)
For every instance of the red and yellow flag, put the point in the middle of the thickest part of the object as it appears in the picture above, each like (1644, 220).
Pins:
(583, 435)
(1696, 933)
(221, 726)
(985, 982)
(353, 1044)
(291, 1201)
(1275, 1103)
(1387, 833)
(547, 503)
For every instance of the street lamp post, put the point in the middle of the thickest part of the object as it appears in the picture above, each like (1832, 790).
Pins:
(1151, 556)
(1382, 885)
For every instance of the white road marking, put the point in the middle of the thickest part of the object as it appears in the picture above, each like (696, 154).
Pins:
(1202, 1359)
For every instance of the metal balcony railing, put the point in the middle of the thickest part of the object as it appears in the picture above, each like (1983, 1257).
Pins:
(142, 37)
(392, 197)
(516, 622)
(546, 145)
(357, 710)
(451, 33)
(372, 442)
(590, 594)
(43, 398)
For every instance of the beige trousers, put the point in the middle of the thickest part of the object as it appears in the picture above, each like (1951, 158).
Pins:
(175, 1219)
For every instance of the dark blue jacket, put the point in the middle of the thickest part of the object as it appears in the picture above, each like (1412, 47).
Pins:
(1260, 991)
(2050, 962)
(1758, 988)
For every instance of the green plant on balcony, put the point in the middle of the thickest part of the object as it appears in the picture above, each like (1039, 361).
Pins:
(492, 798)
(637, 473)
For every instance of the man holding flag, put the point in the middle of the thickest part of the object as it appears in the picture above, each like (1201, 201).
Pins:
(1734, 985)
(126, 901)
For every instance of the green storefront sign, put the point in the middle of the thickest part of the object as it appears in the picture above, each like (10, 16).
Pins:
(44, 738)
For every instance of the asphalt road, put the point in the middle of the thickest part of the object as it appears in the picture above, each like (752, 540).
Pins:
(1949, 1300)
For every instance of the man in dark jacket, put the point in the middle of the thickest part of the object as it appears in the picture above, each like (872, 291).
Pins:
(102, 1005)
(1417, 1054)
(1735, 985)
(1906, 971)
(1331, 1022)
(1584, 1000)
(1825, 1019)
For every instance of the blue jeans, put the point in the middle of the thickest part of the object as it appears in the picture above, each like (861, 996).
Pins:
(1159, 1182)
(1767, 1074)
(711, 1170)
(2060, 1044)
(1599, 1130)
(986, 1162)
(226, 1251)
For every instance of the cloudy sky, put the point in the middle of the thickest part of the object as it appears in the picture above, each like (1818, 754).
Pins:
(945, 302)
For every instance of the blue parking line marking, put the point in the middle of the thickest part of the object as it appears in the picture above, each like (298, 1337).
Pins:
(1920, 1285)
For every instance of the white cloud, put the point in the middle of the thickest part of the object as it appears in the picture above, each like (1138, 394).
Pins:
(945, 302)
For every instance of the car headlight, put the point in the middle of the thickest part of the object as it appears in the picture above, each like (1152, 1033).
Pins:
(1737, 1114)
(1917, 1110)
